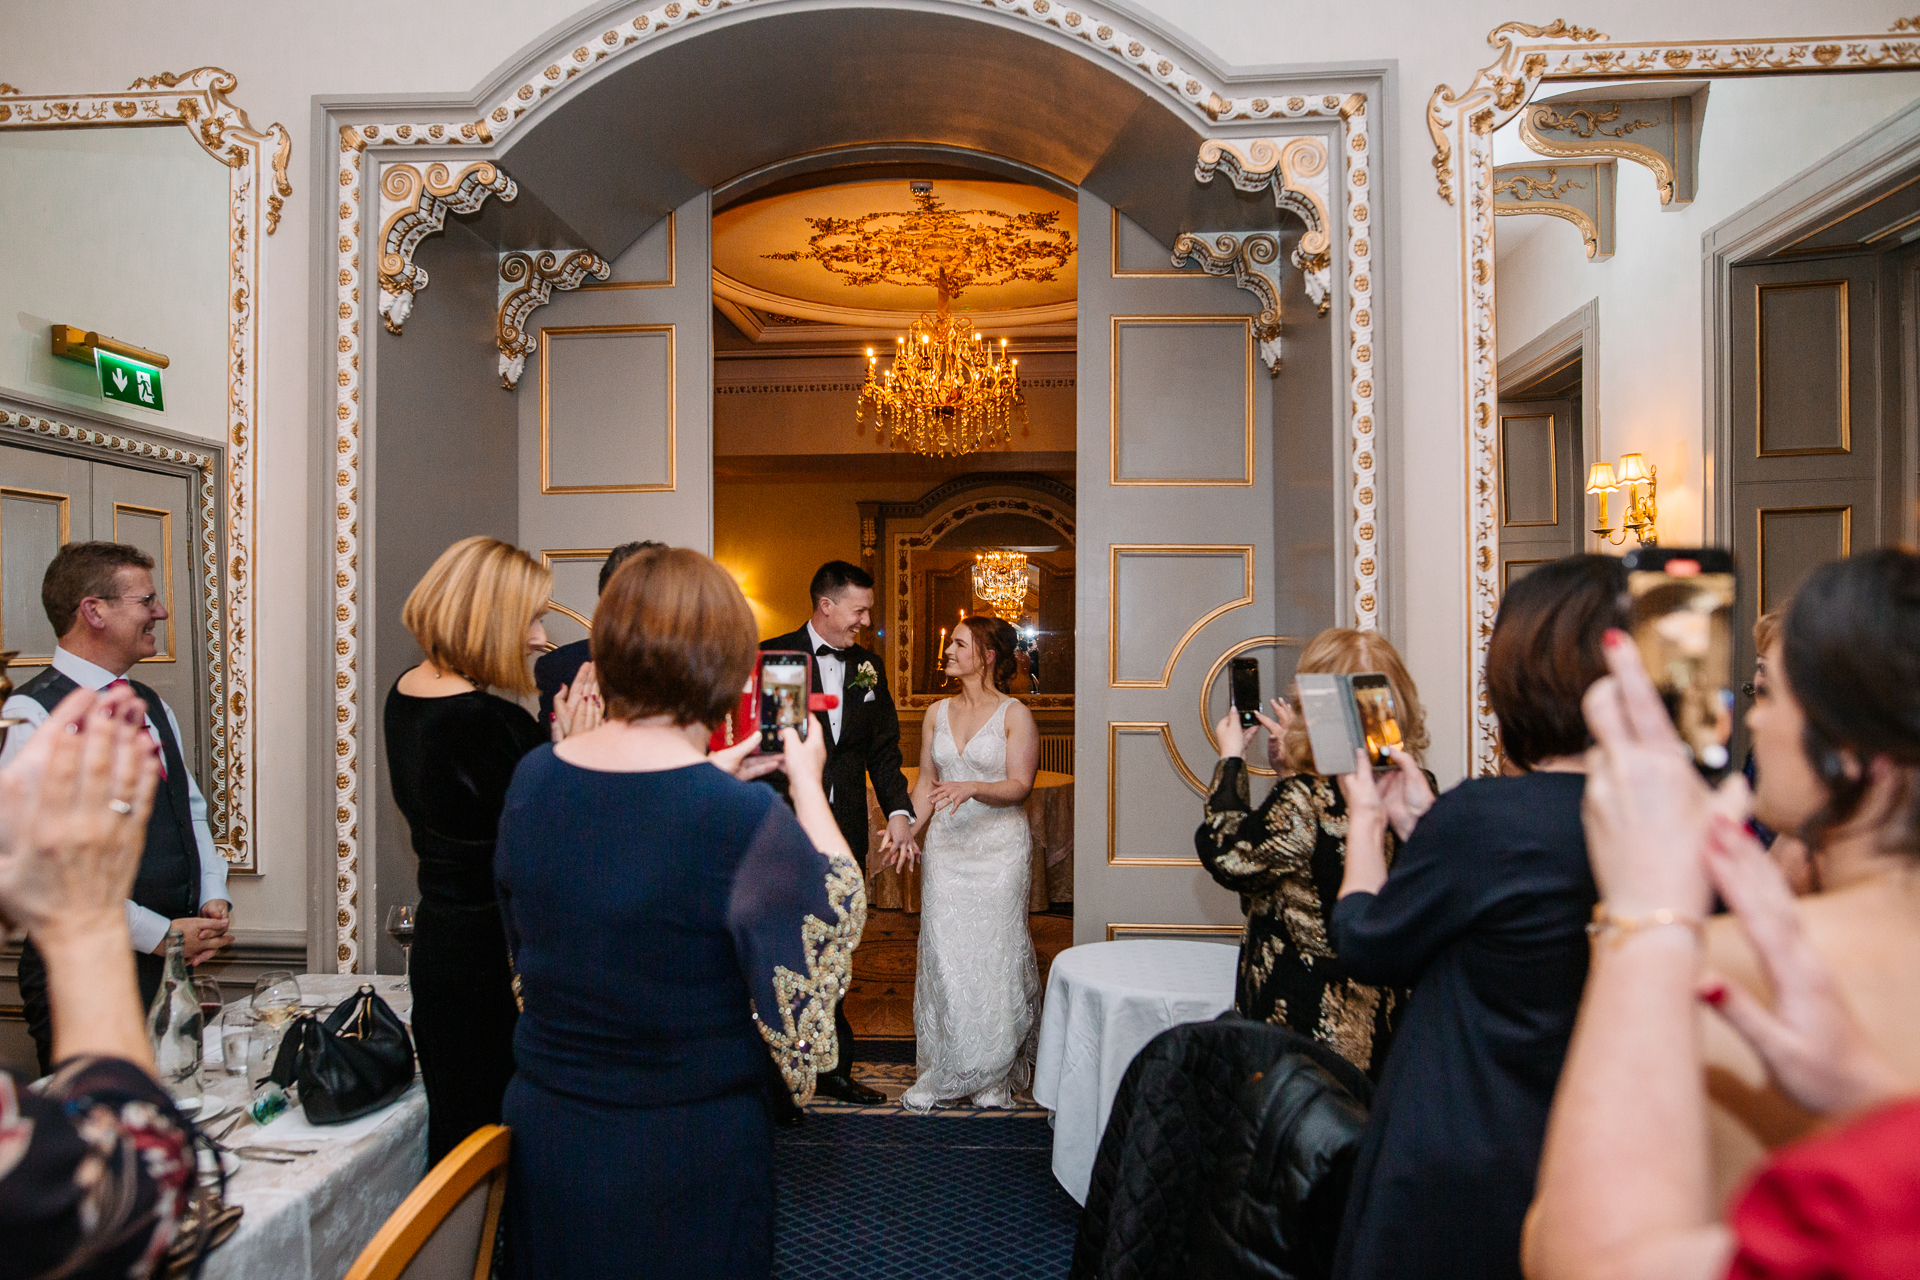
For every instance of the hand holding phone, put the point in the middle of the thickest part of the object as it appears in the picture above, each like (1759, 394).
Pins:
(1246, 690)
(786, 678)
(1679, 606)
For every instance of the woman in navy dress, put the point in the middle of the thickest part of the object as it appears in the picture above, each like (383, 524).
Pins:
(671, 926)
(1484, 915)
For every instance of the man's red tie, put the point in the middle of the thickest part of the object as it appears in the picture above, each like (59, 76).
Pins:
(152, 732)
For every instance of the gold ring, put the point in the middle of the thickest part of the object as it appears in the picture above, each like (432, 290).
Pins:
(120, 807)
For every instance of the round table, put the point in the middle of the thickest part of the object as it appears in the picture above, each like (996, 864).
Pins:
(1105, 1001)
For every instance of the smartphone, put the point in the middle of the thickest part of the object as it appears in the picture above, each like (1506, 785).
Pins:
(1679, 605)
(1379, 726)
(1246, 689)
(786, 678)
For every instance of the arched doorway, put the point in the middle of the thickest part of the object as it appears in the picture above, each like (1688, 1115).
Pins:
(1215, 500)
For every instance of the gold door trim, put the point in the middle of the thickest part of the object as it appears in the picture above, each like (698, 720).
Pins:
(1213, 673)
(1114, 729)
(673, 409)
(1760, 370)
(166, 543)
(1506, 569)
(563, 554)
(1843, 510)
(1171, 930)
(1113, 400)
(1553, 472)
(65, 503)
(1117, 272)
(672, 267)
(1115, 551)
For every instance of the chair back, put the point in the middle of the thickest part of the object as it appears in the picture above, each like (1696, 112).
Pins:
(444, 1230)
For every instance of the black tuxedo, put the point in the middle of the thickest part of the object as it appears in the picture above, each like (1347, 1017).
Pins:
(556, 668)
(868, 745)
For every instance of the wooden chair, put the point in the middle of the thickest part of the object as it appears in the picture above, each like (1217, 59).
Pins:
(445, 1229)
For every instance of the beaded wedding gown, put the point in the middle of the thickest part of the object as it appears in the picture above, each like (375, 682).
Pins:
(976, 995)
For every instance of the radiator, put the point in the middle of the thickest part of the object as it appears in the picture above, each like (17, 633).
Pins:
(1056, 752)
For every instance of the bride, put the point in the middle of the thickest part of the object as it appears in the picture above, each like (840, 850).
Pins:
(977, 991)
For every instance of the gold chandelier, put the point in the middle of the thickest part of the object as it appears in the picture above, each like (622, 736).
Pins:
(946, 392)
(1000, 579)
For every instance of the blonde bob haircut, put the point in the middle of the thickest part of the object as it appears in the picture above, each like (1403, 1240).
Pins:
(1344, 651)
(471, 611)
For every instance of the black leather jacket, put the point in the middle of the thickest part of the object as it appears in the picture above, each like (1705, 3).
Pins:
(1227, 1154)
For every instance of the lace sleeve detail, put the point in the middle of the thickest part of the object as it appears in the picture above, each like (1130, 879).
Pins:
(797, 915)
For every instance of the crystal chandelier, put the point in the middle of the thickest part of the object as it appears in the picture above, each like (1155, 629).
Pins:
(946, 392)
(1000, 579)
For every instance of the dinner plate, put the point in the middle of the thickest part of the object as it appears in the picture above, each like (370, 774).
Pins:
(229, 1163)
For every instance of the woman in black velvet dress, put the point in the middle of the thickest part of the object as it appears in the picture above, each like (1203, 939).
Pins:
(451, 751)
(1484, 915)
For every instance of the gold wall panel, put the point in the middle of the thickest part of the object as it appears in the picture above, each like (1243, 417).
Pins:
(1528, 455)
(27, 592)
(1150, 622)
(595, 286)
(1127, 741)
(1270, 687)
(1173, 410)
(150, 516)
(602, 399)
(1211, 933)
(1129, 239)
(1799, 328)
(1802, 538)
(1508, 576)
(565, 556)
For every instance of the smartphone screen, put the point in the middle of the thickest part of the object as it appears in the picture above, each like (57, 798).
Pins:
(784, 678)
(1373, 699)
(1680, 610)
(1246, 689)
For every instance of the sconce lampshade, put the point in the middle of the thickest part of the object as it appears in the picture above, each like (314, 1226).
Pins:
(1600, 477)
(1633, 469)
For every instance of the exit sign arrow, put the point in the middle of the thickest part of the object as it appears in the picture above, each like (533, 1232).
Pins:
(129, 381)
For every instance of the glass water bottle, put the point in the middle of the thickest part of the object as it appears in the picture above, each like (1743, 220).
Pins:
(174, 1023)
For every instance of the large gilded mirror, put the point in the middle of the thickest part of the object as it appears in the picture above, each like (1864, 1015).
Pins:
(1688, 270)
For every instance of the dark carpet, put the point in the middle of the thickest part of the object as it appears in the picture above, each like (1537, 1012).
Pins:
(903, 1197)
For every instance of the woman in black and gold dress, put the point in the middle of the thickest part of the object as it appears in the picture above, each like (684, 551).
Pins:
(1286, 859)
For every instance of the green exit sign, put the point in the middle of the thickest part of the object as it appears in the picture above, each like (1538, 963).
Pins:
(128, 381)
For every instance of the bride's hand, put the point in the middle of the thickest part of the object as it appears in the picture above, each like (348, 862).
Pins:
(953, 794)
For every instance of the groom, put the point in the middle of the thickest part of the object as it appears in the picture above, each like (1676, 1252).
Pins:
(863, 741)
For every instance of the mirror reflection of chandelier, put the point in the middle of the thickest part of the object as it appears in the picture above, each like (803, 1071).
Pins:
(1000, 579)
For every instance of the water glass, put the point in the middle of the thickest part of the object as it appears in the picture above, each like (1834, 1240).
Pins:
(236, 1039)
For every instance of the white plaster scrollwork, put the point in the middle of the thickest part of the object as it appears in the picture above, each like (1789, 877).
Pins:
(1249, 259)
(1295, 170)
(414, 204)
(527, 280)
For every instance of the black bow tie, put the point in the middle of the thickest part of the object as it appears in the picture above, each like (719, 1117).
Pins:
(828, 651)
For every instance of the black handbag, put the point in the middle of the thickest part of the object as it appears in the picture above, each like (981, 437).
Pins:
(359, 1061)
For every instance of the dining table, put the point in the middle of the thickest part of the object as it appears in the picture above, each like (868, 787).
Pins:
(307, 1216)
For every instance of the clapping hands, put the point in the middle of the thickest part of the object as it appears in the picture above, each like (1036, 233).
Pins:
(578, 707)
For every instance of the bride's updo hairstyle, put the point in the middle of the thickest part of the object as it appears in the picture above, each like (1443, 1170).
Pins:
(1851, 645)
(673, 636)
(995, 634)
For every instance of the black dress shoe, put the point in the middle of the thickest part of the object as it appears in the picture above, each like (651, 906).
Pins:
(841, 1086)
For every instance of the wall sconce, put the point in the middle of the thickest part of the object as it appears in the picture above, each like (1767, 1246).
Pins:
(1641, 512)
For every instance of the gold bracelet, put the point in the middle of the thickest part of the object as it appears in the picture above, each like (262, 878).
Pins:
(1624, 927)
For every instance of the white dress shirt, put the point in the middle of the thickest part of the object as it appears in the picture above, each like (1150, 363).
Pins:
(149, 928)
(833, 680)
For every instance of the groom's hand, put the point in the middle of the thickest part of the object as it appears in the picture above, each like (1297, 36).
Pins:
(900, 841)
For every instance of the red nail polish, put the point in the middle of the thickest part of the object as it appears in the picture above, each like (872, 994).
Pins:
(1715, 995)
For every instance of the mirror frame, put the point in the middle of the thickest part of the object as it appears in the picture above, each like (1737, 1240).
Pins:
(257, 188)
(1462, 123)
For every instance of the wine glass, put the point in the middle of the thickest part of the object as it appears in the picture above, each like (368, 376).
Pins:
(276, 997)
(400, 929)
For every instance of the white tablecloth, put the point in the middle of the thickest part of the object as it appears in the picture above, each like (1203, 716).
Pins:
(1105, 1000)
(309, 1220)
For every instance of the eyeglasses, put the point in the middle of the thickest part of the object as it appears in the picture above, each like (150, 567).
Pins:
(145, 601)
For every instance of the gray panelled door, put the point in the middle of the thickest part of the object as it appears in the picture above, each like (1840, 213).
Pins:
(1807, 440)
(1176, 514)
(1542, 493)
(48, 499)
(616, 412)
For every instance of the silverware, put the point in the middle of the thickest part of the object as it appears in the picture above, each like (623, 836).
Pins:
(248, 1153)
(266, 1149)
(228, 1131)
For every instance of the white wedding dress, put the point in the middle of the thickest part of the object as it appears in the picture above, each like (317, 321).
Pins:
(976, 995)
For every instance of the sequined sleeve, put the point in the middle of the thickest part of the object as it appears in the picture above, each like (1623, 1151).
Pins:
(95, 1171)
(796, 916)
(1255, 852)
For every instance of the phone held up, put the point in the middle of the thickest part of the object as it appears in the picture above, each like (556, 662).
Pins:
(1345, 713)
(1679, 605)
(1246, 690)
(786, 679)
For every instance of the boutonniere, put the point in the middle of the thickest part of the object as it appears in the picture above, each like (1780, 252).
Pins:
(865, 678)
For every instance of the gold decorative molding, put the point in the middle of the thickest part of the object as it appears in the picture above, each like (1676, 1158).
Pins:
(1461, 124)
(1115, 324)
(634, 32)
(1115, 929)
(1244, 257)
(1582, 194)
(1116, 550)
(171, 654)
(414, 204)
(1165, 733)
(1584, 130)
(1295, 170)
(1213, 673)
(229, 793)
(63, 503)
(257, 188)
(553, 554)
(673, 409)
(527, 280)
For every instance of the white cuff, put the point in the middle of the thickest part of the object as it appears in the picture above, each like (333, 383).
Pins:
(148, 928)
(901, 813)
